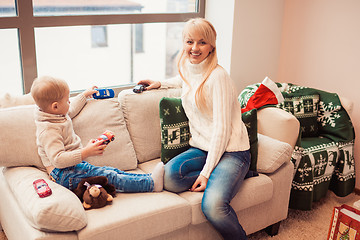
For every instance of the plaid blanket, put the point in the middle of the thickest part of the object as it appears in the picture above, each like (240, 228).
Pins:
(324, 154)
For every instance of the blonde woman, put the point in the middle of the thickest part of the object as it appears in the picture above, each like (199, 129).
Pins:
(219, 157)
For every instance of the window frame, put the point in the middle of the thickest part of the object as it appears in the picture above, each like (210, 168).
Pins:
(25, 22)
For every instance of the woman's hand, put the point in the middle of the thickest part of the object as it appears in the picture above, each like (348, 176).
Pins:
(200, 184)
(150, 84)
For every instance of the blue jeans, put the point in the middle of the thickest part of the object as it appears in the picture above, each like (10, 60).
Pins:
(223, 184)
(70, 177)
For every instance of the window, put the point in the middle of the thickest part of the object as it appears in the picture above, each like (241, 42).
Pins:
(7, 8)
(99, 36)
(107, 7)
(10, 70)
(139, 38)
(107, 43)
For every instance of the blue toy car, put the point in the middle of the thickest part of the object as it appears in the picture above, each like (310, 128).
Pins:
(104, 93)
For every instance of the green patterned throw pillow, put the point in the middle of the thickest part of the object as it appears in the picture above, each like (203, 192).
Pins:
(175, 134)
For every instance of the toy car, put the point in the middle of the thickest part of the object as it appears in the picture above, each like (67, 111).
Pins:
(103, 93)
(139, 88)
(42, 188)
(107, 136)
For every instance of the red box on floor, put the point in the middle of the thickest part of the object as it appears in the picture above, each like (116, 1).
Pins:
(345, 224)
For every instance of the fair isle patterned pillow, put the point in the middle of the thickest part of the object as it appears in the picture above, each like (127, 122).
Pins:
(175, 134)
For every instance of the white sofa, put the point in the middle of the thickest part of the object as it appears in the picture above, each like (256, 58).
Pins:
(262, 201)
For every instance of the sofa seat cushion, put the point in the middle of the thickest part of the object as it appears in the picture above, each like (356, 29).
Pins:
(254, 190)
(148, 166)
(61, 211)
(137, 216)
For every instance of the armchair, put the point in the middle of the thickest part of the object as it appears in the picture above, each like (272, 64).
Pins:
(324, 153)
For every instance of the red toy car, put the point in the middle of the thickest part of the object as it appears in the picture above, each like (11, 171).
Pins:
(107, 136)
(42, 188)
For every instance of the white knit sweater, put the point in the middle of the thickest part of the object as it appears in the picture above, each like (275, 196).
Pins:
(220, 131)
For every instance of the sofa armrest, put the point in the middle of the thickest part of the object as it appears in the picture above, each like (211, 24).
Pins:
(278, 124)
(62, 211)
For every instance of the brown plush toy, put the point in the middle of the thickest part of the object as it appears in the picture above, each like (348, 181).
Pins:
(95, 192)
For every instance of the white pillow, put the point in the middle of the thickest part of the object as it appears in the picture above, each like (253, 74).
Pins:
(272, 154)
(18, 137)
(9, 100)
(98, 116)
(61, 211)
(141, 113)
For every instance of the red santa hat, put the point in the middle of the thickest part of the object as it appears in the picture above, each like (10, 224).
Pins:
(267, 94)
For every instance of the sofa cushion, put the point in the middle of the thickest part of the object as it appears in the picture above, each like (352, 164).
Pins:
(138, 109)
(253, 191)
(18, 129)
(272, 154)
(138, 216)
(174, 121)
(61, 211)
(11, 100)
(98, 116)
(148, 166)
(18, 138)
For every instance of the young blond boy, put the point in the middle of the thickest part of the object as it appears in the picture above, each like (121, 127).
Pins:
(60, 149)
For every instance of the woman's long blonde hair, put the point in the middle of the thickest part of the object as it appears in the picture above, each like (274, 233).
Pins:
(205, 29)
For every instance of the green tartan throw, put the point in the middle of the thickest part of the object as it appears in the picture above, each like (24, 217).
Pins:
(175, 134)
(305, 109)
(324, 156)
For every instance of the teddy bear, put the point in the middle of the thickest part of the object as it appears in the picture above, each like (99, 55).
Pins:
(95, 192)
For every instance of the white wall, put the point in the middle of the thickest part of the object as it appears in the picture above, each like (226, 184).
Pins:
(320, 48)
(249, 37)
(221, 15)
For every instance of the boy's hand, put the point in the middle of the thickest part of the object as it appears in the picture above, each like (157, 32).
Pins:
(89, 92)
(93, 148)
